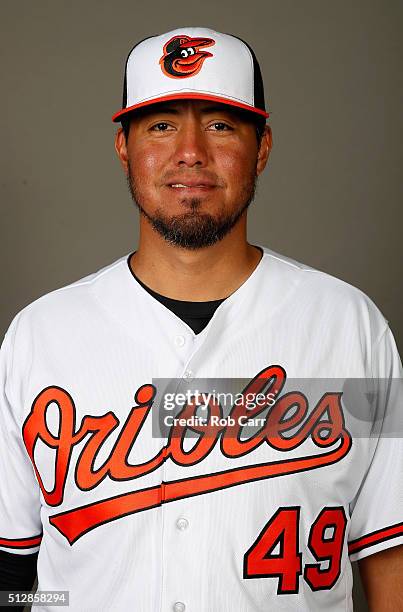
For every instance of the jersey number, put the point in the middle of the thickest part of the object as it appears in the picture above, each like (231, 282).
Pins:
(275, 552)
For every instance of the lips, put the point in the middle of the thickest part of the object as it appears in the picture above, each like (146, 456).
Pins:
(199, 183)
(181, 186)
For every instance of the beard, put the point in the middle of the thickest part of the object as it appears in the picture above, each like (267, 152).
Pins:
(194, 229)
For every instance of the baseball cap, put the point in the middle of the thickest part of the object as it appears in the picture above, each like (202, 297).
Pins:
(196, 64)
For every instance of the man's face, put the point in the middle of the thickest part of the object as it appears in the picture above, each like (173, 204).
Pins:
(192, 168)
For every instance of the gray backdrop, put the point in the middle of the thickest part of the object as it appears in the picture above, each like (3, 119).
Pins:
(329, 198)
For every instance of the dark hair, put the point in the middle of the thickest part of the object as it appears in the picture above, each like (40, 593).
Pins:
(125, 121)
(260, 124)
(258, 120)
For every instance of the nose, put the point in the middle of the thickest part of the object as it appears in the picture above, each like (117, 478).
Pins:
(191, 145)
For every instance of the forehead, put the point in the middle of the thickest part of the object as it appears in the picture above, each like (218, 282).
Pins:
(197, 107)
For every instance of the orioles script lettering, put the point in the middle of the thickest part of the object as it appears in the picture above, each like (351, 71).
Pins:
(324, 424)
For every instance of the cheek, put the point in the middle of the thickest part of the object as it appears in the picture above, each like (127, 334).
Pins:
(147, 163)
(237, 166)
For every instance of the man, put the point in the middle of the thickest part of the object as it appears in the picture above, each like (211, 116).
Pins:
(230, 512)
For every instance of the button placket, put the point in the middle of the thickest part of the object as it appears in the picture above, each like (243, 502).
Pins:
(177, 538)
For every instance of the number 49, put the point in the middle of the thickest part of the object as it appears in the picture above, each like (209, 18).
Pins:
(282, 530)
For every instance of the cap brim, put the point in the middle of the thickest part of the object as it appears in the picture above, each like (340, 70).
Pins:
(190, 96)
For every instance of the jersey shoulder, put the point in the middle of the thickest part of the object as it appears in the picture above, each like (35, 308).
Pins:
(325, 296)
(64, 304)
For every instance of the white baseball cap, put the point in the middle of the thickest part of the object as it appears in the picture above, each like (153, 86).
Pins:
(192, 63)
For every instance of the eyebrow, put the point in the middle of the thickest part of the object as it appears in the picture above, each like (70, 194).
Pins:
(168, 110)
(216, 109)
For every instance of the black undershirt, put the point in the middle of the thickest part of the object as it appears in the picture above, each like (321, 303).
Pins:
(18, 572)
(195, 314)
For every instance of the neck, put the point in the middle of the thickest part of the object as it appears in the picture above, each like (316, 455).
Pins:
(211, 273)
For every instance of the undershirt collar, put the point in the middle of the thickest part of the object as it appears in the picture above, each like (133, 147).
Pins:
(195, 314)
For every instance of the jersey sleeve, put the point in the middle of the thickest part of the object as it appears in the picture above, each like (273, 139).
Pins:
(377, 511)
(20, 524)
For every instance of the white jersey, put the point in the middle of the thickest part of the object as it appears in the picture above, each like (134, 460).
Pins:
(124, 518)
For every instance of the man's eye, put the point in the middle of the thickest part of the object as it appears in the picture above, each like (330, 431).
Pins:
(220, 126)
(160, 127)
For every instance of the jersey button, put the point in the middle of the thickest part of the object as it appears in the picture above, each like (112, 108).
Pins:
(180, 340)
(179, 606)
(182, 524)
(188, 374)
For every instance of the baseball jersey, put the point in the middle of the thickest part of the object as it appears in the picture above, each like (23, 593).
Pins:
(134, 504)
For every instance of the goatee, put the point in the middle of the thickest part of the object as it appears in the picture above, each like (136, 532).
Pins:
(194, 229)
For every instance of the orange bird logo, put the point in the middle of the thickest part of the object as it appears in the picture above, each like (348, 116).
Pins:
(183, 56)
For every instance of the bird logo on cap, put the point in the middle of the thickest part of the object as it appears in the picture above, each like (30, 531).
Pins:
(183, 56)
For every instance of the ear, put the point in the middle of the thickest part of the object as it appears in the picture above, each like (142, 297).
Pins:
(264, 150)
(121, 149)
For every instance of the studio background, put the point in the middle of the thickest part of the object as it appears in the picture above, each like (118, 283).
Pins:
(330, 197)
